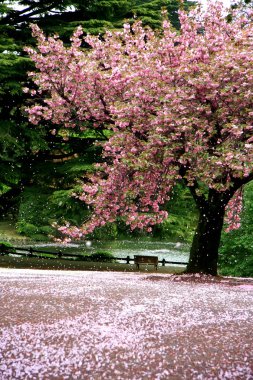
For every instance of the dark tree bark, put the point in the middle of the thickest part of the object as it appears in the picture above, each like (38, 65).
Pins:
(206, 241)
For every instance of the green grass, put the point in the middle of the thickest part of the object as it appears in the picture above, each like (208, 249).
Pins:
(62, 264)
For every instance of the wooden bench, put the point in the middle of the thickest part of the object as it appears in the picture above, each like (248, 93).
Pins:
(139, 259)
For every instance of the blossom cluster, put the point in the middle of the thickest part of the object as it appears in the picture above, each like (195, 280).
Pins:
(233, 212)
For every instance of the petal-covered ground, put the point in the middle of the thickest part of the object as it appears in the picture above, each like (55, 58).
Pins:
(108, 325)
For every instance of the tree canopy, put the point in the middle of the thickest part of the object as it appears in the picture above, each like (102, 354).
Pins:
(23, 148)
(179, 106)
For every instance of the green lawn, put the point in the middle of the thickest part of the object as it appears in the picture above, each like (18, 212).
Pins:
(61, 264)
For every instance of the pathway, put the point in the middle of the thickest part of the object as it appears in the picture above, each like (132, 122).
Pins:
(104, 325)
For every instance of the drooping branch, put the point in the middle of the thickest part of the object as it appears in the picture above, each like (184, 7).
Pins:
(26, 14)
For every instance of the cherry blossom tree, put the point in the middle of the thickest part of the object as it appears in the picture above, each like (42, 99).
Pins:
(179, 105)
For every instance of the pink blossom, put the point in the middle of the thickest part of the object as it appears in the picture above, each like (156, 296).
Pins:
(179, 106)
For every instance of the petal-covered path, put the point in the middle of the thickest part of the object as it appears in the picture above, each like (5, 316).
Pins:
(108, 325)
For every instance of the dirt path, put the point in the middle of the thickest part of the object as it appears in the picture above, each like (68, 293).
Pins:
(104, 325)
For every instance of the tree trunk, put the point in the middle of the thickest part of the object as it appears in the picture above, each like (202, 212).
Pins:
(206, 241)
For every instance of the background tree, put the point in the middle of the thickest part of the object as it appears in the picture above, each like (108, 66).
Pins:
(180, 108)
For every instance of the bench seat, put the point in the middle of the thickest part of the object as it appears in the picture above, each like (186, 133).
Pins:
(147, 260)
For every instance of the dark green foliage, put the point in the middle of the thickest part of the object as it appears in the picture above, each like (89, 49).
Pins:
(107, 232)
(182, 219)
(236, 252)
(100, 15)
(95, 15)
(32, 212)
(6, 247)
(102, 256)
(49, 199)
(41, 207)
(149, 11)
(236, 257)
(16, 137)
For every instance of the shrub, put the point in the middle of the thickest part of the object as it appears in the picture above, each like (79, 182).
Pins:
(107, 232)
(4, 246)
(103, 256)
